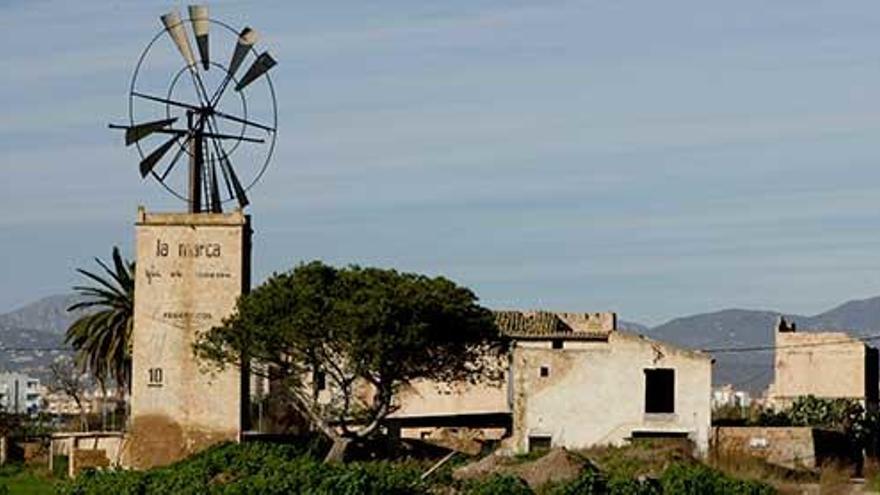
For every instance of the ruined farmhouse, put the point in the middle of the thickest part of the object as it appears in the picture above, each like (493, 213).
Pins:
(571, 380)
(826, 364)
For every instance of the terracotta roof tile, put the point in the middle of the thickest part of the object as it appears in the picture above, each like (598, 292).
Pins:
(540, 325)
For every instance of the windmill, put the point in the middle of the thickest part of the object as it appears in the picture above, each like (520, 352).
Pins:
(223, 118)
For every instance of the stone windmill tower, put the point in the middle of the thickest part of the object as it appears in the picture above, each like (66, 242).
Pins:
(204, 129)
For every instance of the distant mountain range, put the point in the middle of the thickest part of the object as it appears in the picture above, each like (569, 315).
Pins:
(736, 328)
(42, 325)
(39, 325)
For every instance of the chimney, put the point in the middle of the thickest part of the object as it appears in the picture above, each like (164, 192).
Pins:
(783, 326)
(590, 322)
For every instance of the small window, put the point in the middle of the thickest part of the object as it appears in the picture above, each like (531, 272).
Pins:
(660, 390)
(558, 343)
(545, 371)
(539, 443)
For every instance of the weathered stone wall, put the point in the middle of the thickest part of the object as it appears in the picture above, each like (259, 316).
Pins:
(429, 398)
(82, 459)
(824, 364)
(65, 444)
(789, 446)
(191, 268)
(594, 392)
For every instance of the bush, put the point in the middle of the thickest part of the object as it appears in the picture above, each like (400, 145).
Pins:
(117, 483)
(631, 486)
(254, 468)
(238, 469)
(593, 483)
(697, 479)
(498, 484)
(588, 483)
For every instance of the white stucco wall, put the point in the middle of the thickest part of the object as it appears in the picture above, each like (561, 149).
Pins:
(595, 392)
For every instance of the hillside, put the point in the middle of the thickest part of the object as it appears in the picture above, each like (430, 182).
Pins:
(39, 325)
(48, 314)
(749, 328)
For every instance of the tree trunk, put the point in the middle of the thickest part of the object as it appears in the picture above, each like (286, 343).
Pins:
(83, 420)
(337, 451)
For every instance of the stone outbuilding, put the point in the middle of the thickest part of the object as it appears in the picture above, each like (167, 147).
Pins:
(572, 380)
(825, 364)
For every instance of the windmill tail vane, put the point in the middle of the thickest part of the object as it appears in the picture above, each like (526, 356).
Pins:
(212, 132)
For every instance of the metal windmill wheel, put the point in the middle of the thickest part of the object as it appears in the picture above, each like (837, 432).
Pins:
(222, 118)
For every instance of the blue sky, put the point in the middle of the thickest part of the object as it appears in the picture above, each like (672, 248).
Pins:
(652, 158)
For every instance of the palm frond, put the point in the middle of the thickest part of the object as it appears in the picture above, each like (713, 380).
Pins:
(102, 339)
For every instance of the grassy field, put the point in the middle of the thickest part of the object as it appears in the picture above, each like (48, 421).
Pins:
(15, 480)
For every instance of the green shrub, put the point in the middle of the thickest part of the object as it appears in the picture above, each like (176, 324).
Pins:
(697, 479)
(632, 486)
(374, 478)
(254, 468)
(116, 482)
(593, 483)
(498, 484)
(588, 483)
(234, 469)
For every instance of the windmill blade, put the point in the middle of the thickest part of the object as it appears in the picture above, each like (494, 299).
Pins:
(198, 15)
(236, 185)
(153, 158)
(137, 132)
(177, 31)
(260, 66)
(177, 156)
(246, 40)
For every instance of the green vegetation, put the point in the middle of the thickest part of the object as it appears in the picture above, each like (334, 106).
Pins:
(281, 469)
(255, 468)
(102, 339)
(18, 480)
(333, 331)
(696, 479)
(498, 484)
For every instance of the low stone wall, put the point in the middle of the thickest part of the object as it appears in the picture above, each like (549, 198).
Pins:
(82, 459)
(34, 452)
(794, 447)
(85, 450)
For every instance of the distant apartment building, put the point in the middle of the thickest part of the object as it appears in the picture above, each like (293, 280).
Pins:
(728, 396)
(19, 393)
(572, 380)
(823, 364)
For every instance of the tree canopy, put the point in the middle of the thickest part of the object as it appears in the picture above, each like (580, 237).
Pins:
(345, 340)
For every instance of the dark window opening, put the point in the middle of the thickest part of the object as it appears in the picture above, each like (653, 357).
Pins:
(558, 344)
(659, 435)
(539, 443)
(872, 376)
(545, 371)
(660, 391)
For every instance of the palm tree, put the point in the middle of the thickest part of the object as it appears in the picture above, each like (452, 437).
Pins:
(102, 339)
